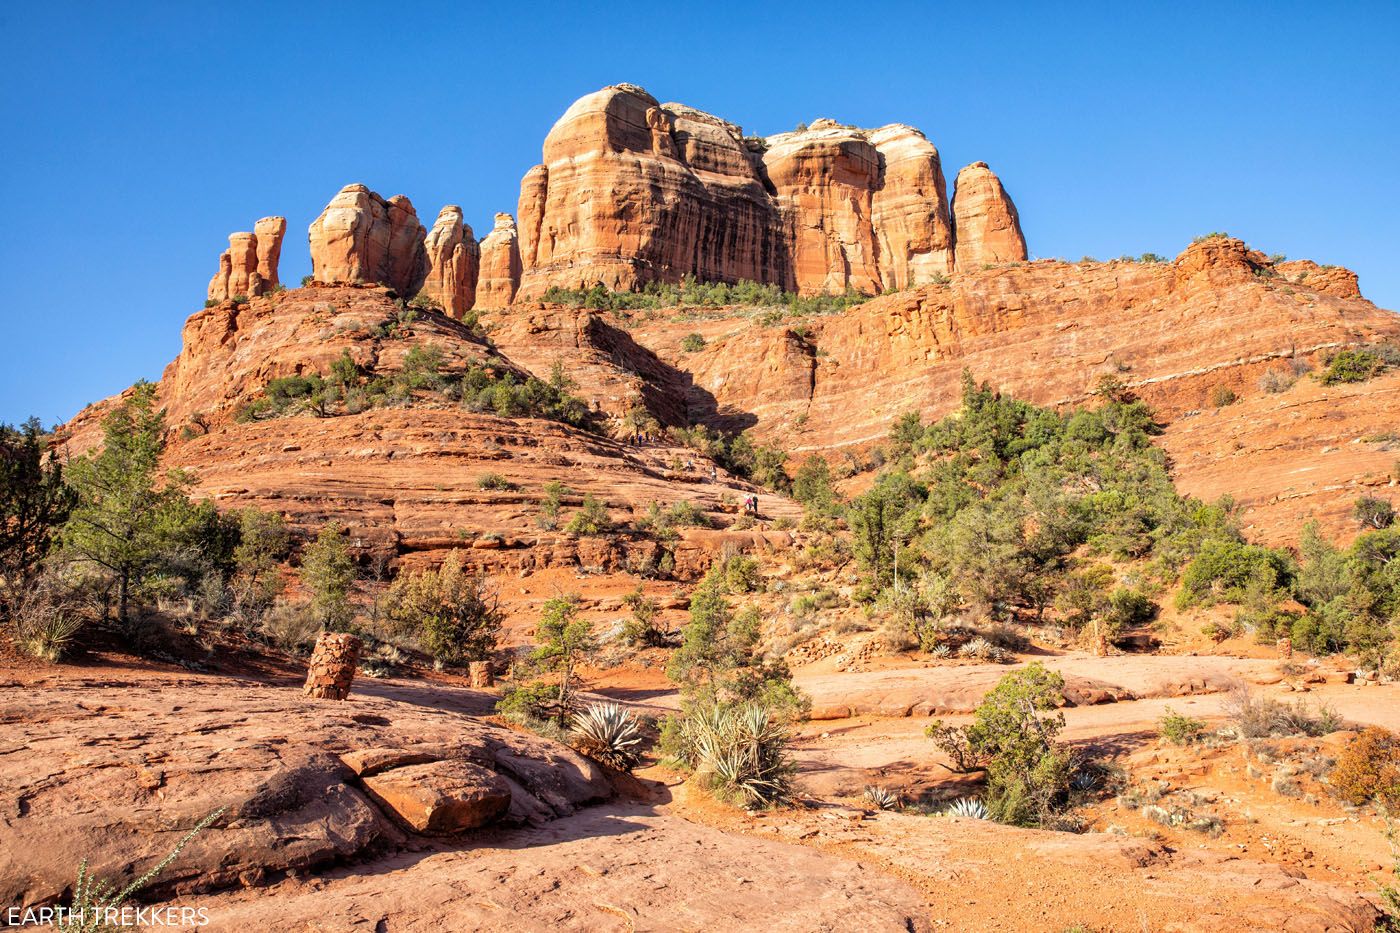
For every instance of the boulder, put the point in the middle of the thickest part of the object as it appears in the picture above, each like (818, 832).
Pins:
(454, 260)
(986, 227)
(361, 238)
(442, 797)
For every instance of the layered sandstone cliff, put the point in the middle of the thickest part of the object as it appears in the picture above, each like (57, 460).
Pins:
(454, 260)
(988, 227)
(500, 265)
(361, 238)
(633, 191)
(248, 267)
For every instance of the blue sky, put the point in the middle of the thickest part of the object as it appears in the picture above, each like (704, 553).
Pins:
(138, 136)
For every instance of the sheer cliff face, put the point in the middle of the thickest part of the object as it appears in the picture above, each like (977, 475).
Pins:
(988, 227)
(361, 237)
(632, 191)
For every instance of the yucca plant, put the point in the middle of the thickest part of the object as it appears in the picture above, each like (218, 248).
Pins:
(882, 798)
(95, 901)
(968, 807)
(740, 751)
(609, 734)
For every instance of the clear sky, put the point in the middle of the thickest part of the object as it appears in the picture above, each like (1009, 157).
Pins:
(138, 135)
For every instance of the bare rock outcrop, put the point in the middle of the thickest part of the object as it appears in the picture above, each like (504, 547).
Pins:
(248, 267)
(454, 261)
(633, 191)
(986, 227)
(500, 265)
(361, 238)
(913, 228)
(269, 233)
(1329, 280)
(284, 770)
(824, 179)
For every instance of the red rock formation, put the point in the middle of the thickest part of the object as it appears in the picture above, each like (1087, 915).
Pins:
(500, 265)
(362, 238)
(824, 180)
(248, 267)
(1329, 280)
(986, 227)
(454, 259)
(269, 233)
(913, 230)
(633, 191)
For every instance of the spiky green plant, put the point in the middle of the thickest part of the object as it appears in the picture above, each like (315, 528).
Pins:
(882, 798)
(94, 901)
(968, 807)
(609, 734)
(740, 750)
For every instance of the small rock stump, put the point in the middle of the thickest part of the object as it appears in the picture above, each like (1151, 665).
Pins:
(481, 674)
(332, 667)
(1285, 647)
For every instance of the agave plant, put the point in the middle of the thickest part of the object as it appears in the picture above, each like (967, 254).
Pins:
(1085, 781)
(882, 798)
(942, 651)
(609, 734)
(968, 807)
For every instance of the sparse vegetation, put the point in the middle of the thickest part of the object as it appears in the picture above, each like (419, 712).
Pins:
(692, 293)
(1255, 717)
(608, 734)
(453, 614)
(1368, 770)
(592, 518)
(1180, 730)
(328, 573)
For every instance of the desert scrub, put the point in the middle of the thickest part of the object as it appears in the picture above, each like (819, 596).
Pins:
(738, 751)
(692, 343)
(608, 734)
(882, 798)
(1368, 770)
(1180, 730)
(494, 482)
(453, 614)
(1254, 717)
(591, 519)
(1184, 818)
(1352, 366)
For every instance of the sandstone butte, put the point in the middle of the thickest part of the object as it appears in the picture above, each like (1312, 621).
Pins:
(632, 191)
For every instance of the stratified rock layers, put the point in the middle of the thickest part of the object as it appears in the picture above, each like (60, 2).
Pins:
(500, 265)
(362, 238)
(453, 263)
(986, 223)
(248, 267)
(633, 191)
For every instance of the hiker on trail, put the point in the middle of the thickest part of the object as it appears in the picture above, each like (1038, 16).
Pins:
(714, 473)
